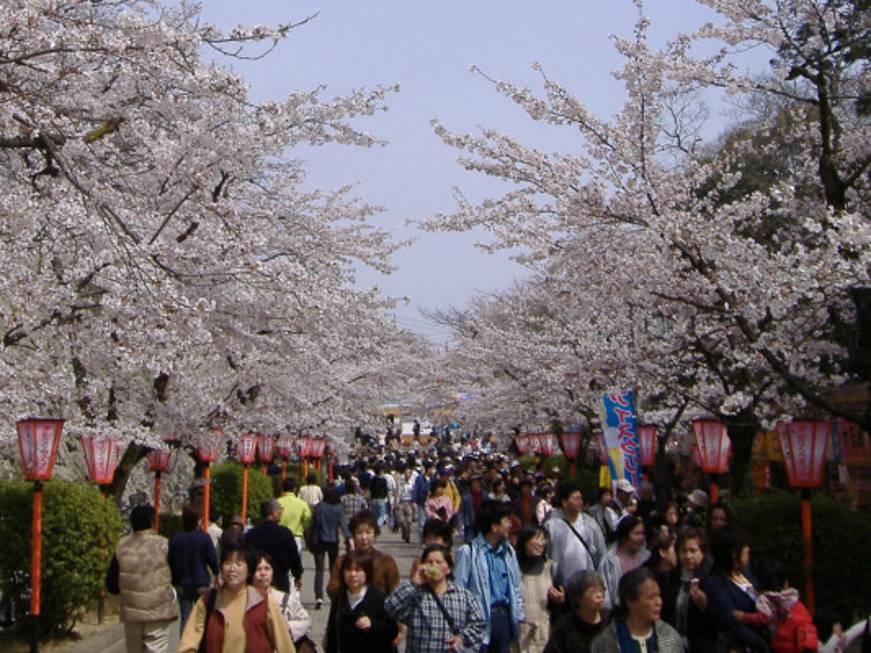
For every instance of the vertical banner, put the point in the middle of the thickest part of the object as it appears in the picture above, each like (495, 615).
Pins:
(621, 436)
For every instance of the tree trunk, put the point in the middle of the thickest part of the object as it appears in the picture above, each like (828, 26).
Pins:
(742, 429)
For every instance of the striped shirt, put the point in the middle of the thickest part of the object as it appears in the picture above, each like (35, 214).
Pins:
(428, 630)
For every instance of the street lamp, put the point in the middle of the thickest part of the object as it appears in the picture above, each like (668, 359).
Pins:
(713, 446)
(102, 455)
(330, 451)
(158, 462)
(304, 444)
(207, 453)
(647, 442)
(38, 440)
(317, 451)
(265, 451)
(534, 443)
(246, 448)
(548, 444)
(571, 445)
(522, 443)
(804, 444)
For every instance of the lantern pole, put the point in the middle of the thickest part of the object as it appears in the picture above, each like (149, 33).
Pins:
(244, 492)
(207, 489)
(807, 535)
(157, 502)
(283, 473)
(36, 567)
(715, 489)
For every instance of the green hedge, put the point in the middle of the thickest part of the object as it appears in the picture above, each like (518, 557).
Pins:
(841, 536)
(226, 492)
(80, 529)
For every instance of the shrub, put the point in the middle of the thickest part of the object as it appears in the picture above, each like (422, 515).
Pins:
(170, 524)
(227, 491)
(842, 567)
(79, 531)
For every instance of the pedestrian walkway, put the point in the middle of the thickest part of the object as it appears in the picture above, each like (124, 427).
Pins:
(111, 638)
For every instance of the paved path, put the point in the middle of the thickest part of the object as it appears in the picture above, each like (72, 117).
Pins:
(111, 639)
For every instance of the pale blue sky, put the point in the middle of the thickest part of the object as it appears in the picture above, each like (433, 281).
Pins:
(427, 47)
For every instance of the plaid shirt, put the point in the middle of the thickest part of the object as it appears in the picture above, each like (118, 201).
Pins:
(353, 503)
(428, 630)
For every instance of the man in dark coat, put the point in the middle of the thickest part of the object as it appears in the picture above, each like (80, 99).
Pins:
(278, 541)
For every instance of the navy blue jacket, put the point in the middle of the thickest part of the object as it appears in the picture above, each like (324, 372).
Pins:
(724, 597)
(279, 543)
(191, 555)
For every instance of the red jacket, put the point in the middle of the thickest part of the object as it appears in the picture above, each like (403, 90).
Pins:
(797, 633)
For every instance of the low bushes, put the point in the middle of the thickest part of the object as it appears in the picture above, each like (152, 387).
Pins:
(842, 566)
(80, 529)
(226, 493)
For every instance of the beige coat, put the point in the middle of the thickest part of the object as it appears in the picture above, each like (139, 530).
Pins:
(144, 578)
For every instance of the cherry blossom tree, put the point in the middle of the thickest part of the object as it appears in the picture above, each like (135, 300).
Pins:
(163, 267)
(654, 267)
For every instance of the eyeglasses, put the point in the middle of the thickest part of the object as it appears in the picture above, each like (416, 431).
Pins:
(234, 564)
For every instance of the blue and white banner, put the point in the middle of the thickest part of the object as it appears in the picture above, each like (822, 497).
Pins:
(621, 436)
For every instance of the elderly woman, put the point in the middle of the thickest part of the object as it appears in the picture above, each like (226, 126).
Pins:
(236, 617)
(637, 626)
(385, 573)
(298, 621)
(575, 631)
(627, 553)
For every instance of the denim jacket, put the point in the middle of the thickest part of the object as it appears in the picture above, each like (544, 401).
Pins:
(471, 572)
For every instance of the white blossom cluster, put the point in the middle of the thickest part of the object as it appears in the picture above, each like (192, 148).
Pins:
(654, 266)
(163, 269)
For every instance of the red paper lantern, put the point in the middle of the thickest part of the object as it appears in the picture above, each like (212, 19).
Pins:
(172, 439)
(534, 443)
(547, 444)
(246, 448)
(286, 444)
(317, 448)
(38, 440)
(305, 446)
(102, 455)
(714, 445)
(330, 449)
(158, 459)
(647, 440)
(207, 447)
(571, 443)
(804, 444)
(522, 443)
(265, 448)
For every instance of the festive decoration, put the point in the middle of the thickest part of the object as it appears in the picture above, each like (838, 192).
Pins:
(804, 444)
(38, 441)
(713, 447)
(158, 462)
(647, 441)
(621, 439)
(522, 443)
(571, 441)
(102, 455)
(207, 452)
(246, 448)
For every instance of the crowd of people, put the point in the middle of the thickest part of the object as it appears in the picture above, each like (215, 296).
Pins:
(512, 560)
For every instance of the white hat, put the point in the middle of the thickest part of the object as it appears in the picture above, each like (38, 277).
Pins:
(623, 485)
(698, 498)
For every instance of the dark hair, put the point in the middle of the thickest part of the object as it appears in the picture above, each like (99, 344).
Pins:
(441, 529)
(771, 575)
(311, 478)
(190, 517)
(630, 584)
(253, 560)
(526, 534)
(625, 526)
(436, 484)
(490, 512)
(441, 549)
(233, 545)
(726, 546)
(356, 559)
(350, 486)
(719, 505)
(142, 517)
(692, 534)
(289, 484)
(367, 518)
(268, 506)
(662, 541)
(602, 492)
(566, 489)
(331, 495)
